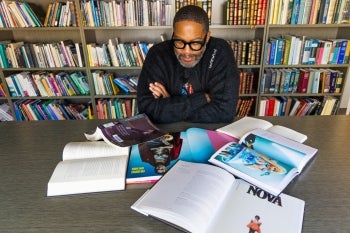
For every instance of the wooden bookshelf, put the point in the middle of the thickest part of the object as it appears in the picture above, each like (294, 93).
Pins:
(85, 35)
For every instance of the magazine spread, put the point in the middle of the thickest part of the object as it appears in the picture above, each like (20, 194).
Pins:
(127, 131)
(201, 198)
(150, 160)
(264, 159)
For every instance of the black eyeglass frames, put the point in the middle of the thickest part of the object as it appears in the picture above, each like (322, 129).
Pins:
(194, 45)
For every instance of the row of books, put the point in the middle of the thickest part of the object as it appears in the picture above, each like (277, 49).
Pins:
(107, 83)
(43, 55)
(294, 50)
(308, 80)
(17, 14)
(61, 14)
(5, 112)
(116, 108)
(205, 4)
(286, 50)
(245, 106)
(33, 110)
(309, 11)
(247, 83)
(298, 106)
(117, 54)
(247, 52)
(47, 84)
(246, 12)
(2, 90)
(99, 13)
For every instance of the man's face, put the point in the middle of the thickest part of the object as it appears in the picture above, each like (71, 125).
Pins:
(189, 31)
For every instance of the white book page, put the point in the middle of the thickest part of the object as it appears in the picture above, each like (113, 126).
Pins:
(78, 150)
(88, 175)
(244, 125)
(288, 133)
(95, 136)
(187, 196)
(239, 128)
(277, 214)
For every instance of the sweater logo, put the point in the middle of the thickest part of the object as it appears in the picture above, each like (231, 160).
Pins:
(212, 58)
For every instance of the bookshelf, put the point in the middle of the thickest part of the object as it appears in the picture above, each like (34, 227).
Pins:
(94, 104)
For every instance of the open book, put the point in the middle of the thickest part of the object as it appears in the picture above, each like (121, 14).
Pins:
(264, 159)
(242, 126)
(89, 167)
(150, 160)
(127, 131)
(203, 198)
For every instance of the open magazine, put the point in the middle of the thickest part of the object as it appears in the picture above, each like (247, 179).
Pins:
(127, 131)
(148, 161)
(264, 159)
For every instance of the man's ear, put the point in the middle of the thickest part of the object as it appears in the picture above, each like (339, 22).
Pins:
(208, 36)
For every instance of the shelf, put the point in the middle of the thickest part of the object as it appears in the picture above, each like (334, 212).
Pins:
(85, 35)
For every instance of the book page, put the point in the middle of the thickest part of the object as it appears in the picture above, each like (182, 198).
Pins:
(242, 126)
(88, 175)
(246, 204)
(288, 133)
(78, 150)
(187, 196)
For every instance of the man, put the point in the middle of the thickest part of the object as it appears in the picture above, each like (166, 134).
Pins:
(193, 77)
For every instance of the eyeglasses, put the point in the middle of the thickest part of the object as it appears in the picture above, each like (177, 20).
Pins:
(194, 45)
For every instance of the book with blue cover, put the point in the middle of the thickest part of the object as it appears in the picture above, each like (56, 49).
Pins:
(150, 160)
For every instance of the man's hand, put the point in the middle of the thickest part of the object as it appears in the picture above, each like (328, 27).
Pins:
(158, 90)
(207, 96)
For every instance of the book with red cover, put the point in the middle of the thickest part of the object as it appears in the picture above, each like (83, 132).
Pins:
(303, 80)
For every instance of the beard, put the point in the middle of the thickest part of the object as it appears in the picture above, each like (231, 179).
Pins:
(195, 57)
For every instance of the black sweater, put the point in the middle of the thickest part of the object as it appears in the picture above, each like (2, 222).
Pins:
(215, 74)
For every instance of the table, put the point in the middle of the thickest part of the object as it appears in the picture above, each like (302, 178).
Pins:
(29, 152)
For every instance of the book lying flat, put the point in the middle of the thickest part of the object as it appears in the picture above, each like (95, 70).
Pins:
(89, 167)
(196, 197)
(150, 160)
(127, 131)
(242, 126)
(265, 159)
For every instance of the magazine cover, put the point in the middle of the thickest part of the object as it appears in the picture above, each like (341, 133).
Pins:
(150, 160)
(127, 131)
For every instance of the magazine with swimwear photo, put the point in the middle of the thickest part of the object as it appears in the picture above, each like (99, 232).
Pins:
(264, 159)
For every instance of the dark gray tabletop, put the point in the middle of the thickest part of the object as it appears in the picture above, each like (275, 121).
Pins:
(29, 152)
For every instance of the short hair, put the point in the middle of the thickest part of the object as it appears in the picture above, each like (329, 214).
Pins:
(192, 13)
